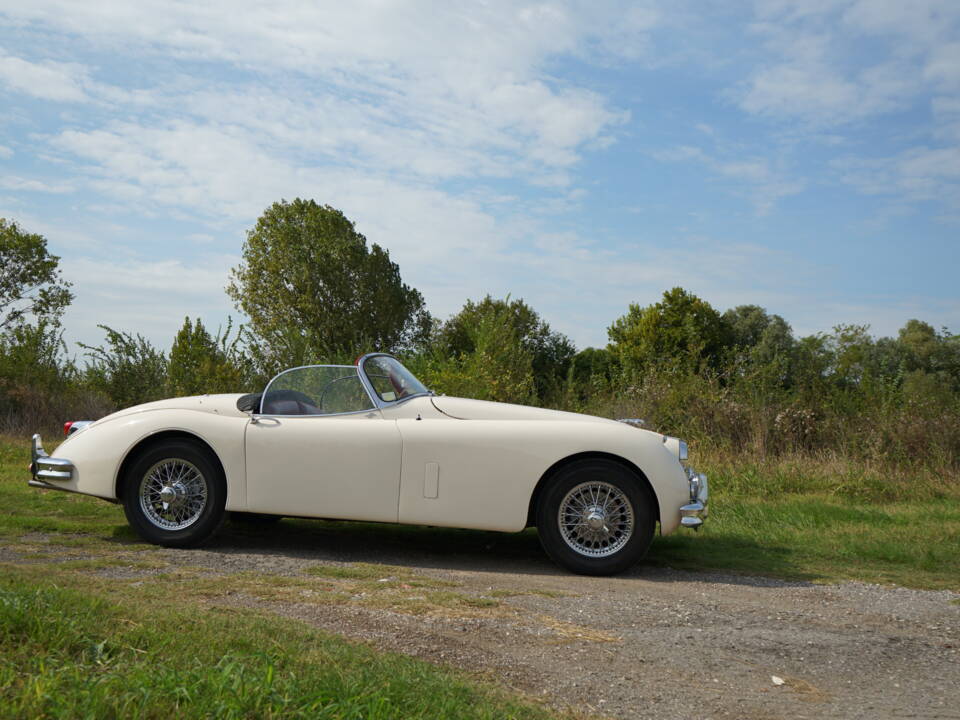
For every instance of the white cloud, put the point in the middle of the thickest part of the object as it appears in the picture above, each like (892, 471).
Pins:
(5, 152)
(517, 130)
(841, 63)
(816, 68)
(915, 175)
(810, 89)
(13, 182)
(47, 80)
(943, 66)
(760, 183)
(201, 238)
(422, 87)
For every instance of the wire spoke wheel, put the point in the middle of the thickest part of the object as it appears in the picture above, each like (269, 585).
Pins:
(173, 494)
(596, 519)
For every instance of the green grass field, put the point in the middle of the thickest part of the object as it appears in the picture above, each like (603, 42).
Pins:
(823, 520)
(75, 642)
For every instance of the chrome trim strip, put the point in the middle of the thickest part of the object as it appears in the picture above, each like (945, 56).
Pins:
(258, 416)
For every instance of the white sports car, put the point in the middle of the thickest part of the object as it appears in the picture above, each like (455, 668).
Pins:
(369, 442)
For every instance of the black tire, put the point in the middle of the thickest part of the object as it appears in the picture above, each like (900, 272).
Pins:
(613, 548)
(155, 467)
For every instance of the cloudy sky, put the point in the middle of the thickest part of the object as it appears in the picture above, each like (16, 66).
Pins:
(801, 155)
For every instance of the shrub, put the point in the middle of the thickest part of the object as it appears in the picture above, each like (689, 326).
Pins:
(129, 370)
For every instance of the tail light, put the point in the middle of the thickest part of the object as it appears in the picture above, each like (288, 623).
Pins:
(66, 427)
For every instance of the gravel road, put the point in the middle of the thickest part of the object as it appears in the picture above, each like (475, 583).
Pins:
(653, 643)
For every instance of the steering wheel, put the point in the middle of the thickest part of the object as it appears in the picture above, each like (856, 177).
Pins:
(323, 393)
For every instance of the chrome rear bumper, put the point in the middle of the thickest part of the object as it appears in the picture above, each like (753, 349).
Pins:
(694, 513)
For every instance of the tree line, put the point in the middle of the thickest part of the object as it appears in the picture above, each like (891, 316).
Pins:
(313, 290)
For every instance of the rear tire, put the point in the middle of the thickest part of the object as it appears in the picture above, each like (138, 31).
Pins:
(174, 494)
(596, 517)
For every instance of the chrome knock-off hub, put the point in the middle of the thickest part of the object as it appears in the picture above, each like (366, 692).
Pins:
(596, 519)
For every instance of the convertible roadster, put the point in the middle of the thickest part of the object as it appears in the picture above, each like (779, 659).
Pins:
(370, 442)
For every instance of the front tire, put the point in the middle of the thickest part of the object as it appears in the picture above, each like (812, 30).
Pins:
(596, 517)
(174, 494)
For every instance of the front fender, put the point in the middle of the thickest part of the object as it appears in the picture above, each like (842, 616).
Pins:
(482, 473)
(98, 452)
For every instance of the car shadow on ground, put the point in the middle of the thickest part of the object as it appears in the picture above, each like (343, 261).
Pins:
(715, 559)
(408, 545)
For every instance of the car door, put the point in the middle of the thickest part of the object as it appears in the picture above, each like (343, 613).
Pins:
(317, 452)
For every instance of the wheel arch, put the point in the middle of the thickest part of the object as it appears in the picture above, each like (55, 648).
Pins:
(547, 476)
(149, 441)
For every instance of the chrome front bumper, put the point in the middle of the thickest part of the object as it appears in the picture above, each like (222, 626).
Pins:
(48, 472)
(694, 513)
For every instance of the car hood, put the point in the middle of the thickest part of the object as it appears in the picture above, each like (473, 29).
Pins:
(464, 409)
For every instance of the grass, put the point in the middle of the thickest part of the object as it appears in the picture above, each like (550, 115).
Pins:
(69, 653)
(823, 519)
(80, 640)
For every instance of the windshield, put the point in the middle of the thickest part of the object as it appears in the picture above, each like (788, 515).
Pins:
(391, 380)
(315, 390)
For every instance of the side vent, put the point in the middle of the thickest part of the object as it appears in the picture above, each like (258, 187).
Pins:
(431, 480)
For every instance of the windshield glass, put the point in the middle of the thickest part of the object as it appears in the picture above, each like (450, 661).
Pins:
(391, 380)
(315, 390)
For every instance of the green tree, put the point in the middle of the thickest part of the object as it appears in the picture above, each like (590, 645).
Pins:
(592, 371)
(497, 366)
(924, 350)
(763, 346)
(550, 351)
(680, 332)
(35, 376)
(852, 349)
(201, 363)
(313, 288)
(593, 363)
(756, 331)
(129, 369)
(31, 285)
(922, 345)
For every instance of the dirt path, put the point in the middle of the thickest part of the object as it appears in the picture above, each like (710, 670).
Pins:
(654, 643)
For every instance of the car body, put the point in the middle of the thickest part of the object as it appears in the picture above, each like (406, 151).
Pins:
(368, 442)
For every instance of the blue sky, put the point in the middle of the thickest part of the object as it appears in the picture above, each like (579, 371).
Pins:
(804, 156)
